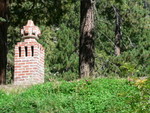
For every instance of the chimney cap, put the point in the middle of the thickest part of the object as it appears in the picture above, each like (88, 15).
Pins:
(30, 23)
(30, 30)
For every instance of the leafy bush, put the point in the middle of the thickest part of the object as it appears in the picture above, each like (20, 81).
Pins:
(98, 95)
(143, 85)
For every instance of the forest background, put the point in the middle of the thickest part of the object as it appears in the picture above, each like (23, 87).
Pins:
(59, 21)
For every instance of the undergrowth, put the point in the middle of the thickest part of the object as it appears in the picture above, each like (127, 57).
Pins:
(83, 96)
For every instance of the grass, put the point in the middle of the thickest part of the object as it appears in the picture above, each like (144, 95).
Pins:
(85, 96)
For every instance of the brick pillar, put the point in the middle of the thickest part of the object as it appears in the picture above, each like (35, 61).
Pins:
(29, 57)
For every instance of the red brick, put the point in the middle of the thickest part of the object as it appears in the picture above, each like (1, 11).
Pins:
(29, 67)
(22, 74)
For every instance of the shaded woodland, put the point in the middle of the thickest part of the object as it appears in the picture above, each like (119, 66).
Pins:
(117, 45)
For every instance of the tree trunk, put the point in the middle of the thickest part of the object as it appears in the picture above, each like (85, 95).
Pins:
(86, 49)
(118, 34)
(3, 40)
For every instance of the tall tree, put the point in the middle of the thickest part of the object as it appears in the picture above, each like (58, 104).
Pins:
(118, 33)
(3, 40)
(86, 49)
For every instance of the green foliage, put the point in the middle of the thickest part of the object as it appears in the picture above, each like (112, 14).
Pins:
(127, 64)
(59, 21)
(143, 85)
(133, 60)
(65, 60)
(2, 19)
(59, 25)
(99, 95)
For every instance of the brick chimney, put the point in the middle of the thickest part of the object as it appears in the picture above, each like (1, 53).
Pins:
(29, 57)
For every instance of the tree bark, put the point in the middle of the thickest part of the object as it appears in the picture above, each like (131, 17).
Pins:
(86, 49)
(3, 40)
(118, 33)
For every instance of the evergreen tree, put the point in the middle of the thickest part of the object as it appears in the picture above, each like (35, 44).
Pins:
(59, 21)
(118, 33)
(86, 52)
(3, 39)
(64, 61)
(134, 43)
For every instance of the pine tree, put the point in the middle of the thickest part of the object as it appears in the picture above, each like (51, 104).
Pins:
(118, 34)
(86, 54)
(3, 40)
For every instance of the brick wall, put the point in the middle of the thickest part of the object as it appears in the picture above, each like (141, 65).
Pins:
(29, 62)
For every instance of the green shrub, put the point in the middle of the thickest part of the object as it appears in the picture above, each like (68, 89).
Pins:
(83, 96)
